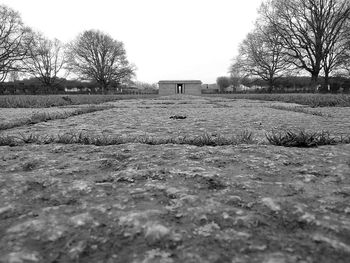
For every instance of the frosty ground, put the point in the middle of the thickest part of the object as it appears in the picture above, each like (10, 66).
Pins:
(176, 203)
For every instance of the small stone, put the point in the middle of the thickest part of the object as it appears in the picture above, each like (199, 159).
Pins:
(125, 179)
(75, 251)
(225, 215)
(30, 225)
(270, 203)
(290, 250)
(189, 199)
(239, 212)
(309, 178)
(257, 247)
(208, 229)
(203, 219)
(4, 192)
(336, 244)
(275, 258)
(233, 200)
(81, 185)
(154, 233)
(307, 217)
(172, 192)
(179, 215)
(156, 255)
(176, 237)
(82, 219)
(6, 209)
(21, 257)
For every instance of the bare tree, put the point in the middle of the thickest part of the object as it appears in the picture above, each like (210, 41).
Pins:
(261, 54)
(345, 65)
(223, 82)
(96, 56)
(13, 41)
(45, 60)
(309, 29)
(337, 57)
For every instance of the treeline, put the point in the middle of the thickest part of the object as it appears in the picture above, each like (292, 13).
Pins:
(33, 87)
(297, 37)
(297, 84)
(93, 57)
(281, 85)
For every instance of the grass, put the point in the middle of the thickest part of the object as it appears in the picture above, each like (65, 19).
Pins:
(300, 109)
(282, 138)
(304, 139)
(44, 116)
(312, 100)
(46, 101)
(6, 140)
(205, 139)
(287, 138)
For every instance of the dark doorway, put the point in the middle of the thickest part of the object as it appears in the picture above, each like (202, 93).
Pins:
(180, 89)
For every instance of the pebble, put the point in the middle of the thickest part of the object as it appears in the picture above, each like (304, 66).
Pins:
(233, 200)
(6, 209)
(270, 203)
(275, 258)
(80, 185)
(82, 219)
(154, 233)
(21, 257)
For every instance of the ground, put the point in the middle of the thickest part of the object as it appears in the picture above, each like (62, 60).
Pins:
(177, 203)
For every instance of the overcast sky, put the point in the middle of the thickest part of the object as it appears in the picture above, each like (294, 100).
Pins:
(165, 39)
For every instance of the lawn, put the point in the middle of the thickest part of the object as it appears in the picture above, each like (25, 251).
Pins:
(46, 101)
(312, 100)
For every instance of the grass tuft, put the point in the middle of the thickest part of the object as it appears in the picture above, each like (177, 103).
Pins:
(44, 116)
(312, 100)
(46, 101)
(285, 138)
(299, 109)
(245, 137)
(304, 139)
(6, 140)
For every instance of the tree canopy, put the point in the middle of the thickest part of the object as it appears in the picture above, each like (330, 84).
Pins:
(14, 41)
(310, 36)
(45, 60)
(95, 55)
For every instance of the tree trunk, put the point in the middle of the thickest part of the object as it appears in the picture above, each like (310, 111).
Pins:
(326, 79)
(314, 78)
(271, 84)
(103, 88)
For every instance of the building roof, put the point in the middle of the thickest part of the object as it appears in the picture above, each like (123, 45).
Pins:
(180, 82)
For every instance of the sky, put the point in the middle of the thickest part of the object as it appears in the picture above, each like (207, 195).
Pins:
(164, 39)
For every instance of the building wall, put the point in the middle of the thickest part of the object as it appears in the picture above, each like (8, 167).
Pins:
(170, 88)
(193, 89)
(167, 88)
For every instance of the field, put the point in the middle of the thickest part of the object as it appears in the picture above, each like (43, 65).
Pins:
(176, 179)
(45, 101)
(312, 100)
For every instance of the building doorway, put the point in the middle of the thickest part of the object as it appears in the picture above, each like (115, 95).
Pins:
(180, 88)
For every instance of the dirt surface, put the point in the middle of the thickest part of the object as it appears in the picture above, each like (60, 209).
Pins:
(177, 203)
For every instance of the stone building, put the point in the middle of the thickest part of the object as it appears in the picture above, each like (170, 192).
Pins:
(190, 87)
